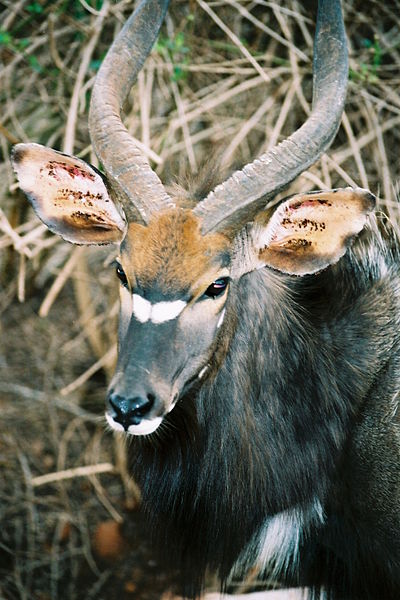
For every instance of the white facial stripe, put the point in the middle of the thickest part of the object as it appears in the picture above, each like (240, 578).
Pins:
(141, 308)
(146, 427)
(203, 371)
(221, 318)
(166, 311)
(156, 313)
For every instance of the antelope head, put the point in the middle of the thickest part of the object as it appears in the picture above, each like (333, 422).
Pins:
(176, 266)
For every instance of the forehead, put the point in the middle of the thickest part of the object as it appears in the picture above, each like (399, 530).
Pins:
(170, 254)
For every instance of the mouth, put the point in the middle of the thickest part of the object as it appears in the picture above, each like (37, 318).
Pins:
(145, 427)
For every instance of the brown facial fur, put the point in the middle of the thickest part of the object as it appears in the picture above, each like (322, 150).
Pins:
(171, 252)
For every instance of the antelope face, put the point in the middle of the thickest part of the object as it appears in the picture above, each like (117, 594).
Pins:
(174, 275)
(173, 286)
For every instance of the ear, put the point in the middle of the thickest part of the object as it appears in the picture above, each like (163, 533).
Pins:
(309, 232)
(68, 195)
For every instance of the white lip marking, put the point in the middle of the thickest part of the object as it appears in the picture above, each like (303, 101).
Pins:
(113, 424)
(156, 313)
(221, 319)
(144, 428)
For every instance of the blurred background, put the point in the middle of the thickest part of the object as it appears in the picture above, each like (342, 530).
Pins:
(226, 77)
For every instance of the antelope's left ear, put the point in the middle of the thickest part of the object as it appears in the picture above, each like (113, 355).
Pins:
(68, 195)
(309, 232)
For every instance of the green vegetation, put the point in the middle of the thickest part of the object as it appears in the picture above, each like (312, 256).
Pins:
(368, 71)
(177, 52)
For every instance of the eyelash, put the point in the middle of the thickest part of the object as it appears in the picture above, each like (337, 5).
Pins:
(217, 288)
(121, 275)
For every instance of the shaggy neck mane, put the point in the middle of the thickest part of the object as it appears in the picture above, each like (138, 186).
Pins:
(298, 358)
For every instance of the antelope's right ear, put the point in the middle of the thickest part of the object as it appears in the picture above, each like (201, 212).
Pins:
(68, 195)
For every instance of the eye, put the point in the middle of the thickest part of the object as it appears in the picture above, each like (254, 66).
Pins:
(121, 275)
(217, 287)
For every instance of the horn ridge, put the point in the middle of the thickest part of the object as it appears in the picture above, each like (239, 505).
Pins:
(136, 185)
(236, 202)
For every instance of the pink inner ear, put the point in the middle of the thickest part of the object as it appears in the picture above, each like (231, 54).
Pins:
(58, 170)
(309, 232)
(312, 203)
(68, 195)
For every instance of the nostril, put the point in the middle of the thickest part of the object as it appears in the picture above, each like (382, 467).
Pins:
(141, 406)
(130, 411)
(115, 402)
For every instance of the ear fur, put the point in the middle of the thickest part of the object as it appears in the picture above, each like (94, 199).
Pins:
(68, 195)
(309, 232)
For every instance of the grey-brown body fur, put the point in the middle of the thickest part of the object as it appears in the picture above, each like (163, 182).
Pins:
(301, 403)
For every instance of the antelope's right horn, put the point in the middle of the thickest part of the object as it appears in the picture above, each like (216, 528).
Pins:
(136, 185)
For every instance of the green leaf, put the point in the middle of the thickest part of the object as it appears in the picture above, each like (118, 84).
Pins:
(5, 38)
(35, 64)
(22, 43)
(178, 74)
(94, 64)
(35, 8)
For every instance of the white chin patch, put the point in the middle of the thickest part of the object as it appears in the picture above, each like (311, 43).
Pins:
(146, 427)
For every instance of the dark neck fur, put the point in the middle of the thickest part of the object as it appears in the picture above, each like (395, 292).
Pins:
(266, 432)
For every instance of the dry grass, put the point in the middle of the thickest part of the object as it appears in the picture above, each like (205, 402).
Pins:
(232, 76)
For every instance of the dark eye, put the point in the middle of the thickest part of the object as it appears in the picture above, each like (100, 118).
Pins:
(121, 275)
(217, 287)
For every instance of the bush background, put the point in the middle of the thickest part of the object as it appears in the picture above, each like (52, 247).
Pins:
(227, 77)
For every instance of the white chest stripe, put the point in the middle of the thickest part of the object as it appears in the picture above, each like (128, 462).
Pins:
(156, 313)
(275, 549)
(282, 534)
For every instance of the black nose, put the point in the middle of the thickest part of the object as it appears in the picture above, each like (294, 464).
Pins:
(130, 411)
